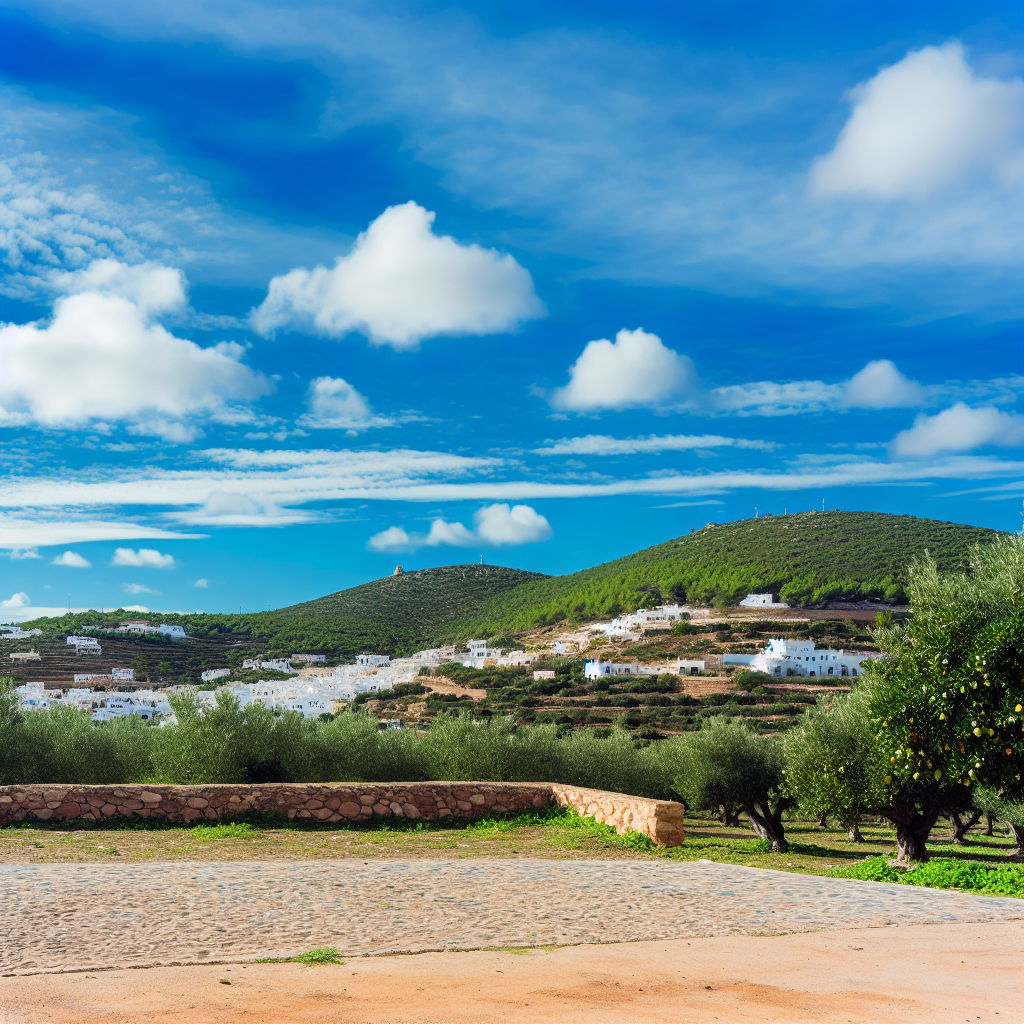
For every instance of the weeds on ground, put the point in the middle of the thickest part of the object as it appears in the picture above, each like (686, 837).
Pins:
(311, 958)
(942, 873)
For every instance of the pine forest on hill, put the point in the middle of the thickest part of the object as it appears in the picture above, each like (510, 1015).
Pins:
(809, 558)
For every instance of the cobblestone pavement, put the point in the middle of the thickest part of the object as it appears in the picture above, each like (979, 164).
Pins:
(60, 917)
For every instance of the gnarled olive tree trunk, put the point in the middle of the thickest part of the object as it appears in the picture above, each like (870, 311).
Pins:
(767, 821)
(961, 825)
(913, 827)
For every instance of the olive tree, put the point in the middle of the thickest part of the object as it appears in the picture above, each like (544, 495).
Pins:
(834, 765)
(727, 764)
(945, 701)
(1009, 812)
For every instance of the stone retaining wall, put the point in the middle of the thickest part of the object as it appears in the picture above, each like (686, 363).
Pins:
(339, 801)
(661, 820)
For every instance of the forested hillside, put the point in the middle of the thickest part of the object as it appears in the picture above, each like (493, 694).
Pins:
(810, 559)
(424, 600)
(396, 614)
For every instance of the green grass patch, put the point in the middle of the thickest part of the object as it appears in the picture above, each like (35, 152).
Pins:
(942, 873)
(222, 830)
(311, 958)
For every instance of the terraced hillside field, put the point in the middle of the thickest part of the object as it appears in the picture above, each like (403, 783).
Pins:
(810, 559)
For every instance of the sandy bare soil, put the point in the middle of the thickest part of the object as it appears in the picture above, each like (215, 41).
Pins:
(934, 973)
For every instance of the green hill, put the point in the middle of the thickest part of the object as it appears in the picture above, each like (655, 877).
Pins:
(425, 600)
(810, 559)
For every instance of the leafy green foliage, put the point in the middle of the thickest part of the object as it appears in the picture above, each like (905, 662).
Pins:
(948, 698)
(834, 766)
(942, 873)
(230, 744)
(728, 765)
(324, 955)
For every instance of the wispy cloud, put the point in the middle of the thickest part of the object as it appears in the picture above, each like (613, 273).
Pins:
(602, 444)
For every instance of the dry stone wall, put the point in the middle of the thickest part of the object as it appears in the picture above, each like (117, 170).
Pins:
(339, 802)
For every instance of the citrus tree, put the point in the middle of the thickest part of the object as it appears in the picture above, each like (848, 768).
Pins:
(946, 700)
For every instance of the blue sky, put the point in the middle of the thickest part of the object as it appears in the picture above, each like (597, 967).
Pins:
(296, 292)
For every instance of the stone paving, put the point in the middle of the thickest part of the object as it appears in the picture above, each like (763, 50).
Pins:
(70, 917)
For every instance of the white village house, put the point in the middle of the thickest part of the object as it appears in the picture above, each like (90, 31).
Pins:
(800, 658)
(762, 601)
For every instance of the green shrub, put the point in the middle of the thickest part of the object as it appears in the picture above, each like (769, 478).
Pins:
(942, 873)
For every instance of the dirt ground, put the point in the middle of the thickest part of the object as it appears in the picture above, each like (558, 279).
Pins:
(934, 973)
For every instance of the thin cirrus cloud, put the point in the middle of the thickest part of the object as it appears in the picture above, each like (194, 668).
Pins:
(72, 560)
(287, 481)
(602, 444)
(102, 358)
(20, 533)
(659, 159)
(144, 558)
(959, 428)
(402, 283)
(924, 124)
(498, 525)
(139, 588)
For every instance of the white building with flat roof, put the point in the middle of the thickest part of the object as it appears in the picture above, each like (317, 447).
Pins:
(601, 669)
(802, 658)
(761, 601)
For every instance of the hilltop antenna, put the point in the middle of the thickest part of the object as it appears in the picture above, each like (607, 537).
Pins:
(822, 504)
(755, 511)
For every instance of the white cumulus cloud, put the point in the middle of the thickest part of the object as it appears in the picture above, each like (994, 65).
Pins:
(636, 369)
(139, 588)
(500, 525)
(958, 429)
(881, 386)
(334, 404)
(72, 559)
(203, 583)
(19, 600)
(922, 124)
(102, 357)
(496, 525)
(144, 558)
(402, 283)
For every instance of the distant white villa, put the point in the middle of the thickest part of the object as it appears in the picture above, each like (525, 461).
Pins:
(762, 601)
(214, 673)
(85, 644)
(800, 658)
(372, 660)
